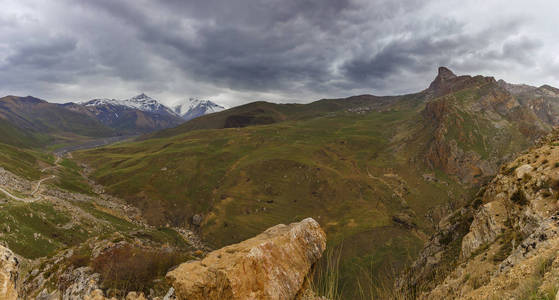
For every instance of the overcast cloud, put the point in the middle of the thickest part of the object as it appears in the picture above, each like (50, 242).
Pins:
(235, 52)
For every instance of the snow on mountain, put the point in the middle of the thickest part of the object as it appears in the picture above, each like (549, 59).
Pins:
(141, 102)
(194, 108)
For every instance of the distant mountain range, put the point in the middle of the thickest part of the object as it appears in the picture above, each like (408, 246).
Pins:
(141, 102)
(139, 114)
(32, 122)
(194, 108)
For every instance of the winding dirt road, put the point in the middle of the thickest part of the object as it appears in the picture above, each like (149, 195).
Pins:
(33, 199)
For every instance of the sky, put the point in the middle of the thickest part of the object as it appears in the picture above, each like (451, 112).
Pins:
(239, 51)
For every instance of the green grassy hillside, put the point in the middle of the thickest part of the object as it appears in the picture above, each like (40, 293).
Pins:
(263, 113)
(347, 171)
(13, 135)
(23, 162)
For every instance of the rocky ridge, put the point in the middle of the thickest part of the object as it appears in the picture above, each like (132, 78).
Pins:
(476, 123)
(504, 244)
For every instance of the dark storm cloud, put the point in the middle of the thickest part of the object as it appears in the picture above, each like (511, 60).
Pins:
(268, 46)
(42, 54)
(447, 43)
(239, 50)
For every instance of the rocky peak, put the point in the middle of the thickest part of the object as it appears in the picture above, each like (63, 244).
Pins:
(193, 108)
(446, 74)
(447, 82)
(549, 90)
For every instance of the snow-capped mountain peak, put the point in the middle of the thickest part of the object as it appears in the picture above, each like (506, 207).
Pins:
(193, 108)
(141, 102)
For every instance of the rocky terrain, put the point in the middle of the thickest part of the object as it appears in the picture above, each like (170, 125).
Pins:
(94, 246)
(8, 274)
(504, 244)
(276, 264)
(65, 245)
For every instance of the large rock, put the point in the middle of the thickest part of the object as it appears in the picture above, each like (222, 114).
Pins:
(272, 265)
(8, 274)
(523, 170)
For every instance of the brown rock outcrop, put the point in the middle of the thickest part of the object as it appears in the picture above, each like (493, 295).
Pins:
(8, 274)
(272, 265)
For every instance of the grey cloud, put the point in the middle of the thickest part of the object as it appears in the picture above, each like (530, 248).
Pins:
(282, 49)
(44, 53)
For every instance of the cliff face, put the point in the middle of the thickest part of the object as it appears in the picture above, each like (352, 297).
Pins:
(272, 265)
(477, 123)
(504, 244)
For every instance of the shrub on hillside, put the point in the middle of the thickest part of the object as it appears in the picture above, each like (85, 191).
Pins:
(128, 268)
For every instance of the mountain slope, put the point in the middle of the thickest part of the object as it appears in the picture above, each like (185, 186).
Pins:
(33, 122)
(194, 108)
(380, 172)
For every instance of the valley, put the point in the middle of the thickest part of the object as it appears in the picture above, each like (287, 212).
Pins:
(379, 175)
(279, 150)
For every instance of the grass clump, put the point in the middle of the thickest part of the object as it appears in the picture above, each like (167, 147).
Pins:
(530, 287)
(327, 277)
(519, 198)
(510, 238)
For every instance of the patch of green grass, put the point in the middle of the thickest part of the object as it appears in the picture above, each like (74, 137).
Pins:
(246, 180)
(164, 236)
(23, 162)
(35, 229)
(114, 221)
(69, 178)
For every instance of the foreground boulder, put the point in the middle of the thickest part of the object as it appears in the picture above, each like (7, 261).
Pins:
(8, 274)
(272, 265)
